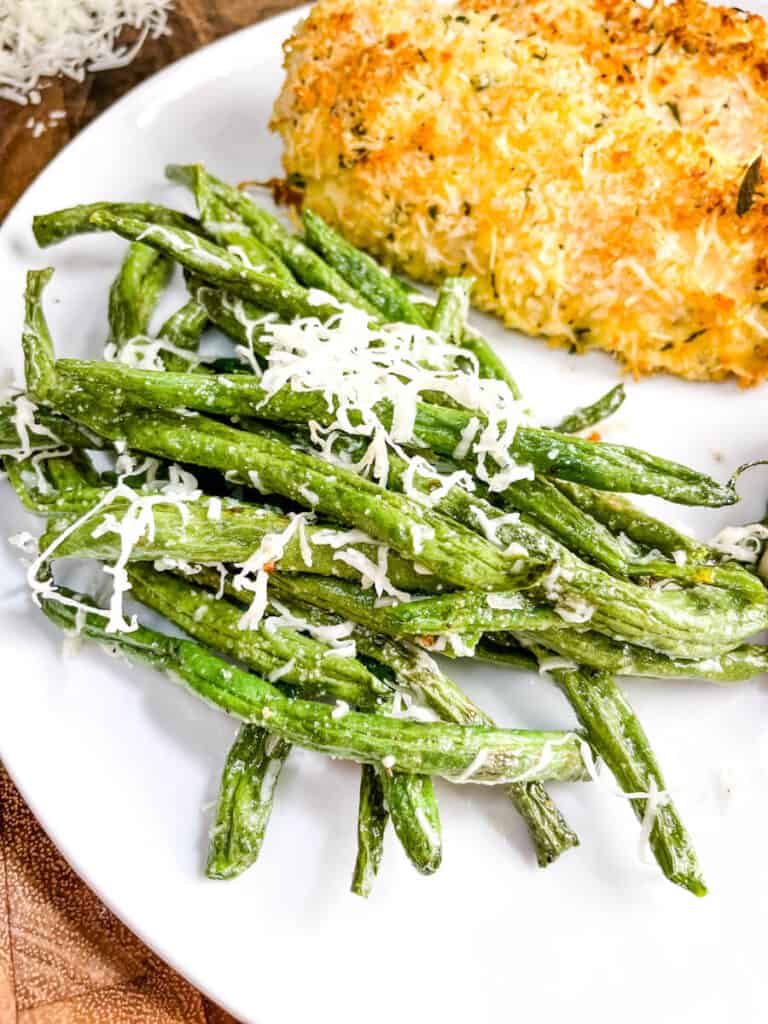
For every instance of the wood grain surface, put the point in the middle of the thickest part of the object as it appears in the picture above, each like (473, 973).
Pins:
(64, 958)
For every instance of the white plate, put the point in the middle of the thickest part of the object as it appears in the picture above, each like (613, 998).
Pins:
(119, 765)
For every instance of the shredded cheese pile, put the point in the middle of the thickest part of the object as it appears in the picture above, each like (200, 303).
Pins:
(371, 377)
(43, 38)
(363, 370)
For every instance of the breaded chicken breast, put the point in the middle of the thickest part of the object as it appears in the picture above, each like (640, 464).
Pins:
(594, 164)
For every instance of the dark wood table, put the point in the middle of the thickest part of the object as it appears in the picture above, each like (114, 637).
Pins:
(64, 958)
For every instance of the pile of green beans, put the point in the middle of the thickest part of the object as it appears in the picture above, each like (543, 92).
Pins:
(560, 574)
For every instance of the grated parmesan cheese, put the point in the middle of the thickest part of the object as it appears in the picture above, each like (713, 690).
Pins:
(554, 662)
(23, 420)
(474, 765)
(654, 797)
(136, 523)
(269, 551)
(337, 636)
(43, 38)
(166, 564)
(741, 543)
(430, 833)
(341, 709)
(419, 536)
(490, 525)
(371, 377)
(373, 574)
(453, 643)
(144, 353)
(504, 602)
(269, 779)
(282, 670)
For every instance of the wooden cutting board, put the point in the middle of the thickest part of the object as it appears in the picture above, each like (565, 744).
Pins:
(64, 958)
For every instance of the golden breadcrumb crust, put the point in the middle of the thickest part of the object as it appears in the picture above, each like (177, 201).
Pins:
(583, 159)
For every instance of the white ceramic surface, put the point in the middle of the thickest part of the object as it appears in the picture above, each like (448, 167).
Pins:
(119, 765)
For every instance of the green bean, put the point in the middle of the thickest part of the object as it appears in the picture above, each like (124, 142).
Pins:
(461, 614)
(541, 503)
(603, 466)
(696, 622)
(410, 798)
(468, 611)
(412, 666)
(620, 515)
(36, 342)
(449, 320)
(315, 670)
(351, 603)
(593, 650)
(227, 229)
(502, 649)
(549, 831)
(143, 275)
(450, 314)
(729, 575)
(250, 773)
(589, 415)
(66, 433)
(61, 499)
(307, 664)
(436, 748)
(217, 265)
(418, 672)
(452, 552)
(381, 290)
(182, 330)
(50, 228)
(229, 364)
(73, 474)
(33, 498)
(599, 465)
(412, 806)
(617, 736)
(547, 507)
(240, 319)
(245, 800)
(307, 266)
(232, 537)
(372, 818)
(672, 622)
(490, 366)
